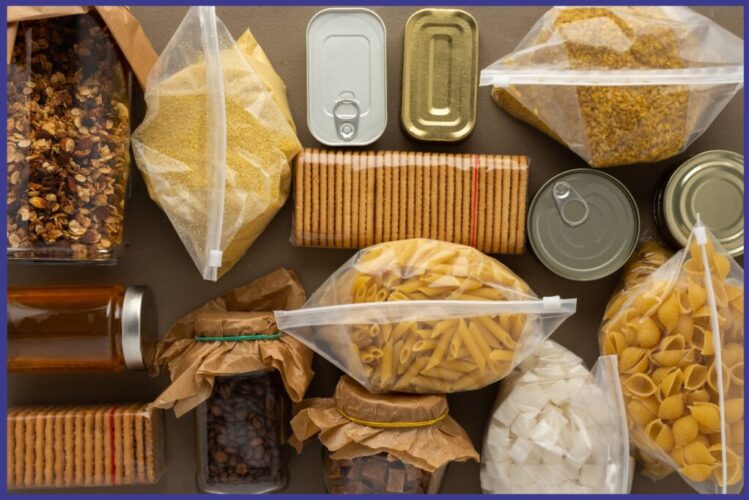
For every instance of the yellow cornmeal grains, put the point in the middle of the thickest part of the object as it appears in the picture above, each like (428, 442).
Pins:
(171, 149)
(606, 125)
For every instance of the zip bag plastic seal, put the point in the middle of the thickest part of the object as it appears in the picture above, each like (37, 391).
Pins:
(215, 145)
(620, 85)
(424, 316)
(558, 428)
(671, 331)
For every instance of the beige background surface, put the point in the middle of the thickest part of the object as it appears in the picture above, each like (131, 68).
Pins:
(156, 257)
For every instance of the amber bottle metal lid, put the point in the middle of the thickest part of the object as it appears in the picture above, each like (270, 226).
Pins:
(139, 326)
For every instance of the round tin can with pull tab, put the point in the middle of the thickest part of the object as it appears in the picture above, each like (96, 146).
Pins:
(711, 185)
(583, 224)
(346, 77)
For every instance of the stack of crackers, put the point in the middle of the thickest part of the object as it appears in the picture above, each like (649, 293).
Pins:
(91, 445)
(353, 199)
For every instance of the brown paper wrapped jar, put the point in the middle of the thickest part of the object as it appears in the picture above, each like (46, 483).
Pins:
(382, 443)
(229, 362)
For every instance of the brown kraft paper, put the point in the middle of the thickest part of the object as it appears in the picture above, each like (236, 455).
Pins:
(425, 436)
(124, 27)
(243, 311)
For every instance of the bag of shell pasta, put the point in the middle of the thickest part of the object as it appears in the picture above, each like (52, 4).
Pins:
(558, 428)
(424, 316)
(215, 145)
(620, 85)
(679, 337)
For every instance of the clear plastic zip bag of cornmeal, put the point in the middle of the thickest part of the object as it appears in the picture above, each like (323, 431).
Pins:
(679, 337)
(215, 145)
(620, 85)
(425, 316)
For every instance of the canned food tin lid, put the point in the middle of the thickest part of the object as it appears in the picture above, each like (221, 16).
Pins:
(710, 184)
(139, 328)
(440, 74)
(346, 77)
(583, 224)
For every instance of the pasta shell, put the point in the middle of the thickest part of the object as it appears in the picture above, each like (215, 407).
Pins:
(701, 396)
(721, 265)
(707, 416)
(734, 290)
(702, 438)
(683, 299)
(714, 438)
(697, 453)
(659, 374)
(660, 433)
(685, 327)
(712, 378)
(685, 430)
(694, 267)
(641, 411)
(639, 385)
(614, 305)
(732, 353)
(696, 294)
(648, 333)
(673, 343)
(689, 358)
(702, 340)
(733, 463)
(677, 455)
(737, 433)
(633, 360)
(702, 312)
(738, 304)
(695, 377)
(672, 382)
(669, 358)
(645, 303)
(734, 410)
(698, 473)
(734, 474)
(671, 407)
(668, 312)
(614, 343)
(721, 296)
(737, 374)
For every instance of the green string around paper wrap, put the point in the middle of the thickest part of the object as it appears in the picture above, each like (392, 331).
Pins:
(239, 338)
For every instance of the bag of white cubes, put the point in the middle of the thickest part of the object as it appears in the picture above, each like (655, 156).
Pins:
(558, 428)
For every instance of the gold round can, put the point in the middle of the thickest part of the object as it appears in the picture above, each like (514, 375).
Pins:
(709, 185)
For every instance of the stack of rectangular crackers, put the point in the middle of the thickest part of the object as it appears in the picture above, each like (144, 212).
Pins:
(353, 199)
(90, 445)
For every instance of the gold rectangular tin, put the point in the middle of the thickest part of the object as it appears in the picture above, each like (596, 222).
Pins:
(440, 74)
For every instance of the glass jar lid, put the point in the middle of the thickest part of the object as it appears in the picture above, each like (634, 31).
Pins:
(139, 327)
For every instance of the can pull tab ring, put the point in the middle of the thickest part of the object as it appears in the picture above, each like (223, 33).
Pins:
(571, 206)
(346, 116)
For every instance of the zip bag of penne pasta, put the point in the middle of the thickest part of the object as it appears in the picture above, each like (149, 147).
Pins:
(558, 428)
(678, 333)
(424, 316)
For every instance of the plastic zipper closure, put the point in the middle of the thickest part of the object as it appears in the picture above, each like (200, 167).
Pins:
(716, 75)
(216, 146)
(417, 310)
(700, 235)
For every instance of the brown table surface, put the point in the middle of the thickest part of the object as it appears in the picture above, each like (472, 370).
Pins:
(156, 257)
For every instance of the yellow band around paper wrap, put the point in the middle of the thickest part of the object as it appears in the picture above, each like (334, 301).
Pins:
(413, 428)
(392, 425)
(388, 410)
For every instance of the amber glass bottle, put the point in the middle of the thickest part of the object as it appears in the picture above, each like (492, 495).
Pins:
(80, 328)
